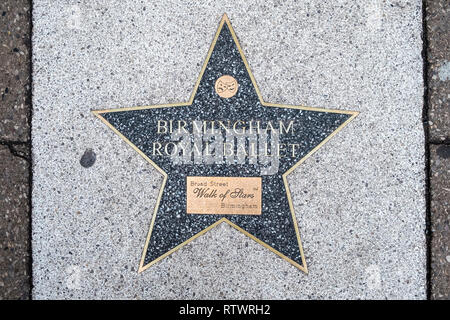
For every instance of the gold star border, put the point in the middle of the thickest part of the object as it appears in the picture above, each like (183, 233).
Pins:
(99, 113)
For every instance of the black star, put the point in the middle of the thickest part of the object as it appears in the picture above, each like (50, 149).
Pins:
(171, 227)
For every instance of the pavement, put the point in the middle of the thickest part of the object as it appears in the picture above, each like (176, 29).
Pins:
(440, 221)
(438, 55)
(438, 105)
(345, 55)
(75, 158)
(15, 114)
(14, 226)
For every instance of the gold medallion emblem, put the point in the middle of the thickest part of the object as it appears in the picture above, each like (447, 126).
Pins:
(226, 86)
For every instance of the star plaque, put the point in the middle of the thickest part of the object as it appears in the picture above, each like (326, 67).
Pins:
(225, 155)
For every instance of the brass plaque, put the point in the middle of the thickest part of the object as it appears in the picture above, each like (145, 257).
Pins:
(226, 86)
(224, 195)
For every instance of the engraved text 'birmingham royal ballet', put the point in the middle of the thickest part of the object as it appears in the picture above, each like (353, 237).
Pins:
(226, 142)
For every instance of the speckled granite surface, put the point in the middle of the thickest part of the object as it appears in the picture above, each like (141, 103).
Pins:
(359, 200)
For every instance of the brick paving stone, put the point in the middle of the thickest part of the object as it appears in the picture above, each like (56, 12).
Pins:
(14, 69)
(14, 224)
(438, 34)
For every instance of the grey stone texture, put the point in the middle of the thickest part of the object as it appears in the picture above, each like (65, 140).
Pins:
(440, 221)
(438, 54)
(438, 35)
(15, 44)
(359, 200)
(14, 224)
(15, 74)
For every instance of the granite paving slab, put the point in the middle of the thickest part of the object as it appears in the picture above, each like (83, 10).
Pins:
(359, 200)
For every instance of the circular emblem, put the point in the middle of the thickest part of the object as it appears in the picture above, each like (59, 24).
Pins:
(226, 86)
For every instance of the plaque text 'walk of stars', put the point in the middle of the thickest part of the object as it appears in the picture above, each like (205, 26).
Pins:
(225, 155)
